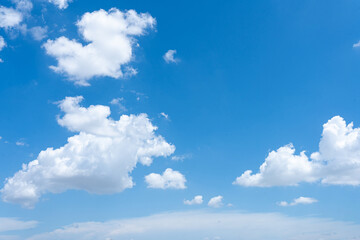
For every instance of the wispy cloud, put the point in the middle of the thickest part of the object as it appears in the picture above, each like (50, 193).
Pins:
(297, 201)
(201, 224)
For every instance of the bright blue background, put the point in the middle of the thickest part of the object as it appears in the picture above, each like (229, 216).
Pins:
(253, 76)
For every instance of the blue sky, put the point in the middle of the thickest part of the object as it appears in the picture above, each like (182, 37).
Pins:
(247, 83)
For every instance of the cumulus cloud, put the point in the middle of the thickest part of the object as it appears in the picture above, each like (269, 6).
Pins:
(337, 162)
(202, 225)
(9, 17)
(169, 56)
(61, 4)
(110, 36)
(197, 200)
(98, 159)
(13, 224)
(297, 201)
(216, 202)
(169, 179)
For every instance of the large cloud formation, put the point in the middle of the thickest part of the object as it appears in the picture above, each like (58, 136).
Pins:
(111, 39)
(207, 225)
(98, 159)
(337, 162)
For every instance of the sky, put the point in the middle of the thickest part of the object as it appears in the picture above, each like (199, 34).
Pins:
(203, 120)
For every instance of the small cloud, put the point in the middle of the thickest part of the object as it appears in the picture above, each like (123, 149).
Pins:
(18, 143)
(169, 179)
(119, 103)
(21, 143)
(166, 116)
(197, 200)
(169, 57)
(181, 157)
(297, 201)
(216, 202)
(38, 33)
(355, 45)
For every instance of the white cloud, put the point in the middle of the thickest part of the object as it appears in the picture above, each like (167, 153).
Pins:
(337, 162)
(61, 4)
(181, 157)
(166, 116)
(119, 103)
(169, 179)
(9, 17)
(2, 45)
(297, 201)
(197, 200)
(216, 202)
(281, 167)
(20, 143)
(111, 38)
(24, 6)
(13, 224)
(98, 160)
(355, 45)
(169, 56)
(208, 225)
(38, 33)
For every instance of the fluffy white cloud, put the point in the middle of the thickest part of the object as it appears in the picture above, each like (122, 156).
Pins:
(300, 200)
(337, 162)
(12, 224)
(197, 200)
(169, 56)
(201, 225)
(281, 167)
(216, 202)
(111, 39)
(9, 17)
(169, 179)
(62, 4)
(99, 159)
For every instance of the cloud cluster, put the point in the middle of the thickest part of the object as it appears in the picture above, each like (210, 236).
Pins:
(297, 201)
(197, 200)
(110, 36)
(98, 159)
(169, 179)
(202, 225)
(337, 162)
